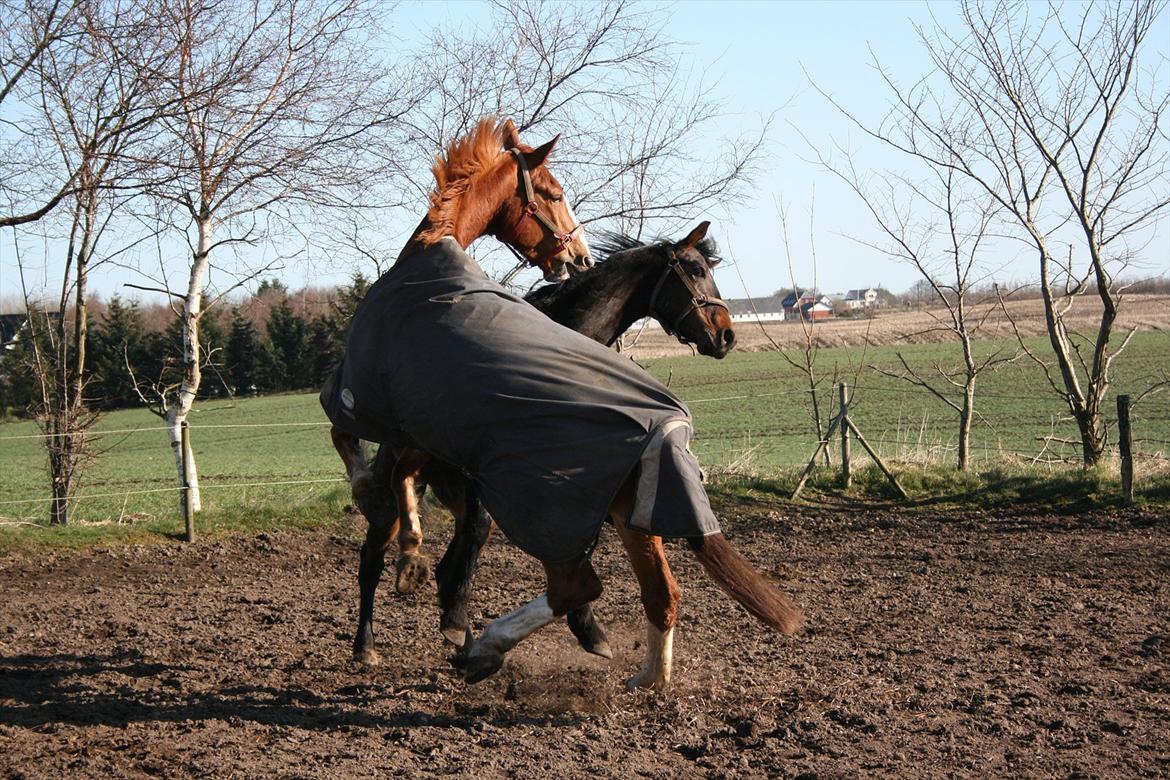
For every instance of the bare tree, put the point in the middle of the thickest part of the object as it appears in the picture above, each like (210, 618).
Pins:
(945, 245)
(278, 104)
(32, 182)
(90, 103)
(1052, 113)
(635, 149)
(805, 361)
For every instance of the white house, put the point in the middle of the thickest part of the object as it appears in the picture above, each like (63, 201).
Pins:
(861, 299)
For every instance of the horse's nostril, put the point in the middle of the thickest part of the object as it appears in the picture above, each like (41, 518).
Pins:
(729, 337)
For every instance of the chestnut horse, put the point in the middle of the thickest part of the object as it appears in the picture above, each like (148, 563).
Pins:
(470, 357)
(557, 433)
(672, 282)
(486, 183)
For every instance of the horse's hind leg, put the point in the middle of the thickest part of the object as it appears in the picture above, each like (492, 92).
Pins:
(660, 598)
(412, 566)
(570, 585)
(350, 449)
(377, 504)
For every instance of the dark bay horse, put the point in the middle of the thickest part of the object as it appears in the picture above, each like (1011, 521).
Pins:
(672, 282)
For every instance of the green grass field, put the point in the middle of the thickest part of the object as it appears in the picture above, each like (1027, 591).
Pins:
(751, 418)
(754, 408)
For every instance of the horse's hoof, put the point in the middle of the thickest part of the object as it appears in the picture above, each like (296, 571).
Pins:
(455, 634)
(413, 571)
(600, 648)
(463, 648)
(590, 635)
(592, 639)
(367, 657)
(648, 681)
(481, 666)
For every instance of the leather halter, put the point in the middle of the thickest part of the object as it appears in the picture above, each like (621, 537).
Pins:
(699, 299)
(531, 210)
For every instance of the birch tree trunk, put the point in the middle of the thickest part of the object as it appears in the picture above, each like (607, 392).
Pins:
(192, 372)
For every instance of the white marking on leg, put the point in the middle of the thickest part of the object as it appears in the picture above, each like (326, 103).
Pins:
(414, 523)
(504, 633)
(659, 659)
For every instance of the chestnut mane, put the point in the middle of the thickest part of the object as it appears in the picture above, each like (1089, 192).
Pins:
(454, 169)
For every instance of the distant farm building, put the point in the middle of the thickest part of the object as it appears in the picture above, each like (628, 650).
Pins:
(861, 299)
(765, 309)
(806, 305)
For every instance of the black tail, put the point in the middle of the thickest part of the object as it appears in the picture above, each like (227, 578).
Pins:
(746, 585)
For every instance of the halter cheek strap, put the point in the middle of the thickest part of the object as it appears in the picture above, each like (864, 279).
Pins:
(531, 210)
(699, 299)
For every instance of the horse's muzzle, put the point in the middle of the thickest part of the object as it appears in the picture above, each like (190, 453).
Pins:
(719, 345)
(556, 272)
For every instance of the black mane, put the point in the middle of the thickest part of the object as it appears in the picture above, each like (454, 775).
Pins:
(608, 244)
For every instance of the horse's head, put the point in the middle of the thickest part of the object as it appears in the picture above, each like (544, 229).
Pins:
(686, 301)
(535, 219)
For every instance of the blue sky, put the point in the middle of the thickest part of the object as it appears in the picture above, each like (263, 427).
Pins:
(760, 53)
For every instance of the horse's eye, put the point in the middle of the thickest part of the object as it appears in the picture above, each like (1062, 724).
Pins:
(556, 198)
(697, 272)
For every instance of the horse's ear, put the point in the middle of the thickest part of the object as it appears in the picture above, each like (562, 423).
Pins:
(537, 156)
(695, 236)
(511, 134)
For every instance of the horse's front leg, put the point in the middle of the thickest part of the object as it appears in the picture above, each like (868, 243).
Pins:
(412, 566)
(455, 571)
(570, 585)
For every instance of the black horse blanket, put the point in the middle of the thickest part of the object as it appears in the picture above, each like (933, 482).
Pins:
(547, 423)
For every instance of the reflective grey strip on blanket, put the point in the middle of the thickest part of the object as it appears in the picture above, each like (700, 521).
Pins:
(668, 456)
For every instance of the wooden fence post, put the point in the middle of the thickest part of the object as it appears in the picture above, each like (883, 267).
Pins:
(188, 499)
(1126, 449)
(842, 419)
(846, 474)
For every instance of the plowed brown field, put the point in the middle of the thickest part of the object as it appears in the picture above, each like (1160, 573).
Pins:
(920, 326)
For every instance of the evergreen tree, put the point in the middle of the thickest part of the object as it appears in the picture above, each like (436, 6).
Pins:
(213, 349)
(21, 389)
(325, 348)
(119, 339)
(348, 298)
(244, 356)
(327, 334)
(212, 346)
(286, 333)
(272, 288)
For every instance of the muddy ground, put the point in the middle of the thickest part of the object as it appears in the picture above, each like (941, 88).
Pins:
(960, 645)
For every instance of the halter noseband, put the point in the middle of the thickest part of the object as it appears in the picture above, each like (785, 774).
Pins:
(699, 299)
(531, 210)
